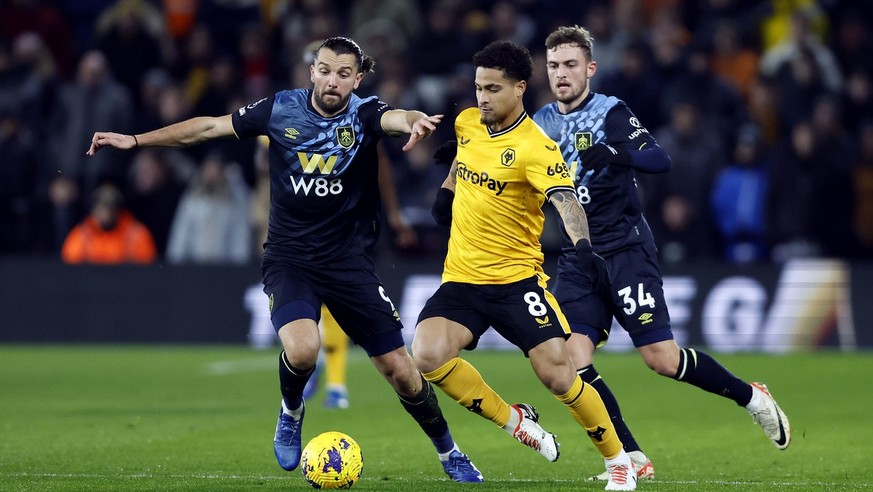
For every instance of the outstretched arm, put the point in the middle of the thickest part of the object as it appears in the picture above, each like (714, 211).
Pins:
(416, 124)
(182, 134)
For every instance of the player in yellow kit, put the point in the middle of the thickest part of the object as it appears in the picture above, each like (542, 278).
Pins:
(504, 170)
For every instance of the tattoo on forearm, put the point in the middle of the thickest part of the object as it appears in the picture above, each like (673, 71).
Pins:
(572, 214)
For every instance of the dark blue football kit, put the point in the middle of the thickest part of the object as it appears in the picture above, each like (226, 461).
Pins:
(324, 214)
(619, 232)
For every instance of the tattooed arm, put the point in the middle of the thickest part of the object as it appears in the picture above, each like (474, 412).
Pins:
(576, 224)
(572, 214)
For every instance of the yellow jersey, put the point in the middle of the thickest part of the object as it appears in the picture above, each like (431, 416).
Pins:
(503, 178)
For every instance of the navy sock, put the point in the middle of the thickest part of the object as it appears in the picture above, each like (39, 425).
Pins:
(424, 408)
(590, 376)
(292, 381)
(701, 370)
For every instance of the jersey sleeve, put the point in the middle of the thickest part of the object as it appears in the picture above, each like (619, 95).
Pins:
(624, 130)
(371, 115)
(546, 170)
(252, 120)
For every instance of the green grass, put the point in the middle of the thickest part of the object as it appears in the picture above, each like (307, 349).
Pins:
(202, 418)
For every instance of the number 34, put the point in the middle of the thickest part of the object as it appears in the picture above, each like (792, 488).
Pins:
(643, 299)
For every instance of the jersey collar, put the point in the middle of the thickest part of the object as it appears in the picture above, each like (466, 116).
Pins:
(509, 128)
(582, 104)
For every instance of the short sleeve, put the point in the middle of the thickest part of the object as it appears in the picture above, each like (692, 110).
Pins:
(252, 120)
(546, 170)
(371, 113)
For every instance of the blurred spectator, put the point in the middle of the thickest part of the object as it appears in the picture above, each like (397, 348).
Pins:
(224, 84)
(28, 81)
(93, 101)
(259, 211)
(799, 83)
(403, 14)
(678, 201)
(739, 199)
(211, 224)
(733, 60)
(180, 16)
(109, 235)
(43, 18)
(811, 207)
(853, 38)
(255, 62)
(827, 123)
(637, 83)
(59, 211)
(193, 66)
(131, 26)
(154, 193)
(441, 49)
(763, 104)
(151, 87)
(863, 183)
(669, 41)
(803, 42)
(721, 107)
(308, 21)
(508, 22)
(17, 179)
(777, 26)
(609, 42)
(858, 98)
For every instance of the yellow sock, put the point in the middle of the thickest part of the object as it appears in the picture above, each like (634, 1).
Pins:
(336, 349)
(461, 381)
(588, 409)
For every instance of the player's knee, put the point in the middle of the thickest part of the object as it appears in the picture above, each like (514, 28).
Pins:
(662, 364)
(427, 360)
(429, 357)
(301, 355)
(400, 372)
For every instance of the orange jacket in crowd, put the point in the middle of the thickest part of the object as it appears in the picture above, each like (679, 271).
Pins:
(128, 242)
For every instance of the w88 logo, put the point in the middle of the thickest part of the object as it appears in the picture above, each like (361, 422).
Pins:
(318, 186)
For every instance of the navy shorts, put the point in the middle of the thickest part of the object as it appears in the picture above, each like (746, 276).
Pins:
(637, 297)
(352, 292)
(523, 312)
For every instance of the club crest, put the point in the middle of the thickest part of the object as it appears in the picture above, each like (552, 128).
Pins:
(345, 136)
(583, 140)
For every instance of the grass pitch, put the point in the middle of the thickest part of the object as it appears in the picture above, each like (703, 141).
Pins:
(202, 418)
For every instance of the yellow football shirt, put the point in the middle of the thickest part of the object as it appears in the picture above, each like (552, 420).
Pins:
(497, 218)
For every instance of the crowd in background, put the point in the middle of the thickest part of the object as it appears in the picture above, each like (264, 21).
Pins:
(766, 108)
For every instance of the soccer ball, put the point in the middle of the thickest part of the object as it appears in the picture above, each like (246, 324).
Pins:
(332, 460)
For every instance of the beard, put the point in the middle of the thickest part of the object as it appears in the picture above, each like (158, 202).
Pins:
(327, 107)
(569, 93)
(489, 118)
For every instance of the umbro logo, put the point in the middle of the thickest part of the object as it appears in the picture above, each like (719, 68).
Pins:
(552, 148)
(646, 318)
(291, 133)
(463, 141)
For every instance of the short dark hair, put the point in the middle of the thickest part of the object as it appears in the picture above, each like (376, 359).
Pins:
(345, 46)
(511, 58)
(572, 35)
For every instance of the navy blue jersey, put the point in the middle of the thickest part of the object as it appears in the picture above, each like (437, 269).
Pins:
(610, 196)
(324, 190)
